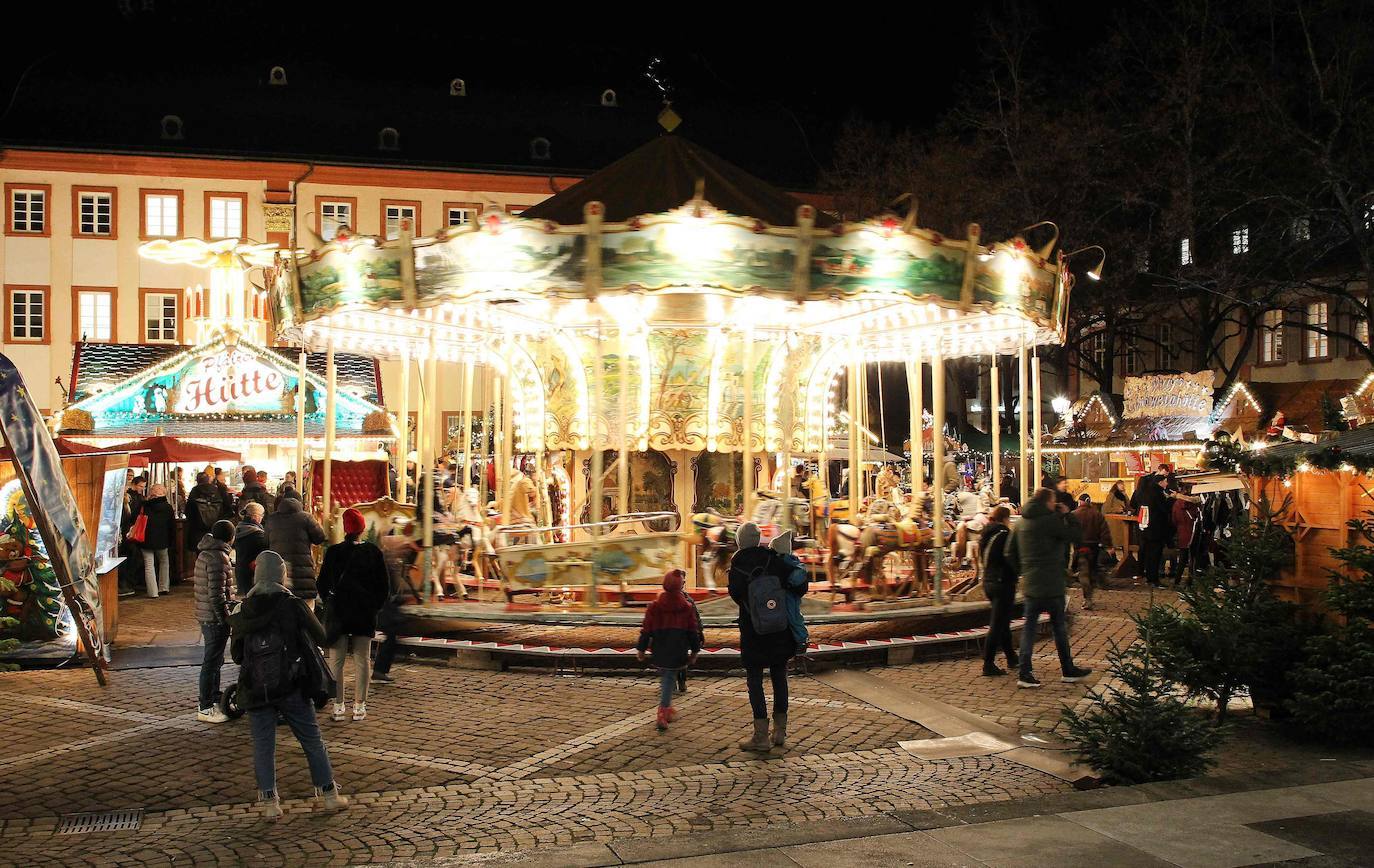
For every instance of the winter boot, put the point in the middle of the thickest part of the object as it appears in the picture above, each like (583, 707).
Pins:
(333, 799)
(270, 805)
(760, 740)
(779, 729)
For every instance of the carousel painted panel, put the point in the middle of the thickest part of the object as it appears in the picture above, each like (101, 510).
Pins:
(678, 249)
(564, 395)
(1015, 279)
(622, 560)
(501, 255)
(730, 383)
(604, 407)
(651, 483)
(357, 273)
(717, 483)
(679, 391)
(875, 258)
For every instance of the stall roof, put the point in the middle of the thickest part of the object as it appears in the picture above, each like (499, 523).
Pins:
(1357, 442)
(94, 363)
(662, 175)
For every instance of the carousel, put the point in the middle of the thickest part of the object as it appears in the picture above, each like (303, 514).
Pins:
(673, 312)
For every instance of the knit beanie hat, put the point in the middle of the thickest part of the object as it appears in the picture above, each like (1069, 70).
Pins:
(269, 573)
(673, 580)
(222, 530)
(748, 535)
(353, 521)
(782, 543)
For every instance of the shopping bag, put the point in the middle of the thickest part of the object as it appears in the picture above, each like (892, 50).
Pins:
(139, 531)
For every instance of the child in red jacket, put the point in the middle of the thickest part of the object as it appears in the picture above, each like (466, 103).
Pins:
(671, 636)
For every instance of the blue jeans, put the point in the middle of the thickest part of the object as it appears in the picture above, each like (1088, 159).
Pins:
(667, 680)
(215, 636)
(300, 716)
(1054, 607)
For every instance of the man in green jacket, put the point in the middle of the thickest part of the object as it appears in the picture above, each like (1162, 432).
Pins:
(1039, 549)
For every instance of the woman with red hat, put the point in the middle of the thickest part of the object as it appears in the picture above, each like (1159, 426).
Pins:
(353, 585)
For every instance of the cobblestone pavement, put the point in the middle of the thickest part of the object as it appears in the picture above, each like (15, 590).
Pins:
(454, 761)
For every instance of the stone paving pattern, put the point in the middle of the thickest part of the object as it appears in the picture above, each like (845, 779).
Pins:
(455, 761)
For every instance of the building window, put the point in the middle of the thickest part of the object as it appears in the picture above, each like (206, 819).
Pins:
(396, 213)
(1318, 343)
(28, 209)
(1360, 332)
(161, 213)
(335, 214)
(1143, 261)
(1185, 251)
(1164, 351)
(1099, 348)
(1240, 240)
(93, 314)
(1130, 360)
(161, 317)
(224, 215)
(1271, 338)
(459, 215)
(27, 320)
(95, 212)
(1301, 230)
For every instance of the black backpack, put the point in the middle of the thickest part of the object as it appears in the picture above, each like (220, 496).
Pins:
(767, 600)
(270, 663)
(207, 512)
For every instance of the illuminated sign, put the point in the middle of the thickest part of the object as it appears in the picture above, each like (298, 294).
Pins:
(232, 381)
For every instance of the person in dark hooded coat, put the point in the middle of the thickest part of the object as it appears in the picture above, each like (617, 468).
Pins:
(290, 533)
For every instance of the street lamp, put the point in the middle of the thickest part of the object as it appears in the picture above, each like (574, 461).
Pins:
(1044, 252)
(1094, 273)
(1061, 405)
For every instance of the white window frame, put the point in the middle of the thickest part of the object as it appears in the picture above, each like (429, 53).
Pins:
(25, 224)
(20, 304)
(1098, 347)
(1317, 345)
(1185, 251)
(1164, 353)
(89, 322)
(335, 214)
(468, 215)
(1130, 360)
(161, 215)
(1271, 337)
(221, 209)
(393, 214)
(1240, 240)
(99, 224)
(159, 334)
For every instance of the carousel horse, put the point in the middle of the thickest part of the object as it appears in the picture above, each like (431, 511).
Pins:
(857, 551)
(716, 532)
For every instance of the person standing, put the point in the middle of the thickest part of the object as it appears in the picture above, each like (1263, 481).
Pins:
(157, 538)
(177, 493)
(999, 586)
(1117, 503)
(253, 491)
(353, 585)
(250, 540)
(1094, 534)
(202, 508)
(759, 579)
(226, 498)
(1186, 515)
(1156, 524)
(1038, 549)
(213, 577)
(290, 533)
(267, 633)
(1010, 491)
(670, 637)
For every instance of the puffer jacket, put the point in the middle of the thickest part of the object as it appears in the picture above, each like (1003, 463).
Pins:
(250, 540)
(1038, 549)
(214, 581)
(290, 533)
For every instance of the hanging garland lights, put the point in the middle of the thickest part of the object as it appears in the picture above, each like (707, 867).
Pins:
(1261, 462)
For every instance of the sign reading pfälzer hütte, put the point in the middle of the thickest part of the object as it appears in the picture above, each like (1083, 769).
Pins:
(228, 382)
(1168, 395)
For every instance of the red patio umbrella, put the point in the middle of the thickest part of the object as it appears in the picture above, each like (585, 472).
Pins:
(67, 447)
(161, 449)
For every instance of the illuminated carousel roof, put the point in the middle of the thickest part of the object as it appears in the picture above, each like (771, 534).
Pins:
(660, 176)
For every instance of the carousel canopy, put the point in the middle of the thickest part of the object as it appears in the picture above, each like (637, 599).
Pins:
(662, 174)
